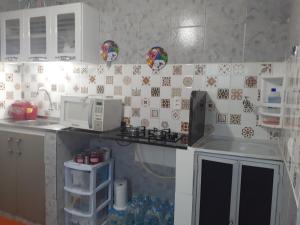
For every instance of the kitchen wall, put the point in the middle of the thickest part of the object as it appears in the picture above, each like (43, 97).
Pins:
(161, 100)
(290, 144)
(10, 86)
(193, 31)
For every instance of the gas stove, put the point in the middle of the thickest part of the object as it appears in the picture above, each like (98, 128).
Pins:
(163, 135)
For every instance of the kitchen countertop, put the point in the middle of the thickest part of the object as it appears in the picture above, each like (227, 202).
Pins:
(51, 124)
(259, 149)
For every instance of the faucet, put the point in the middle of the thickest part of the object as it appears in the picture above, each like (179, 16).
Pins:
(48, 95)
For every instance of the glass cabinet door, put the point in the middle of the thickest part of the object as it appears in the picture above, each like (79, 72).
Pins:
(66, 33)
(38, 35)
(216, 191)
(67, 26)
(12, 37)
(258, 188)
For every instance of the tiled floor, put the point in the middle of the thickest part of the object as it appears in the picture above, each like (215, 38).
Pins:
(9, 216)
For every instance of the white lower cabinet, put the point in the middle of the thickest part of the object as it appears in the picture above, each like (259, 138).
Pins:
(228, 190)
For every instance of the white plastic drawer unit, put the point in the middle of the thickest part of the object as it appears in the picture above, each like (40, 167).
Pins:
(100, 218)
(86, 179)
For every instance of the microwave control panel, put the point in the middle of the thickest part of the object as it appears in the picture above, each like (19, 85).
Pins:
(98, 115)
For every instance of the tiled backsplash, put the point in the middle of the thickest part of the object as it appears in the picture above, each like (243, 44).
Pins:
(161, 100)
(10, 86)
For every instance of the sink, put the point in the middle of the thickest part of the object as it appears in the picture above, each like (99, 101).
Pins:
(38, 122)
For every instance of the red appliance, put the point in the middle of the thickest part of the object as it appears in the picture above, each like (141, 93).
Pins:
(23, 110)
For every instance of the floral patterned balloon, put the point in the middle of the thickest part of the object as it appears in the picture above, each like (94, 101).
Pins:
(109, 51)
(157, 58)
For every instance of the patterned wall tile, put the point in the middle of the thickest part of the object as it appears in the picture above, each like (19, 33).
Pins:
(200, 70)
(100, 89)
(175, 92)
(236, 94)
(136, 112)
(221, 118)
(185, 104)
(235, 119)
(211, 82)
(251, 81)
(118, 69)
(109, 80)
(166, 81)
(137, 69)
(146, 81)
(136, 92)
(248, 106)
(177, 70)
(225, 69)
(165, 103)
(154, 113)
(223, 93)
(247, 132)
(155, 92)
(188, 81)
(175, 114)
(184, 127)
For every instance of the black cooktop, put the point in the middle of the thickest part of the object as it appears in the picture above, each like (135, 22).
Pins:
(158, 137)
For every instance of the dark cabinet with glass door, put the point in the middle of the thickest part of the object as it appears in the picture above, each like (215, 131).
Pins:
(235, 192)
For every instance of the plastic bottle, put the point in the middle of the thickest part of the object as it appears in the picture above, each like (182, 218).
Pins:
(151, 217)
(274, 96)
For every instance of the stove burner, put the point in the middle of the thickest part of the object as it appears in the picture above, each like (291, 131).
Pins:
(131, 131)
(151, 135)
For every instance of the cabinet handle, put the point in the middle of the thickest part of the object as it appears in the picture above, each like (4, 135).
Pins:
(9, 140)
(18, 141)
(65, 58)
(37, 59)
(11, 58)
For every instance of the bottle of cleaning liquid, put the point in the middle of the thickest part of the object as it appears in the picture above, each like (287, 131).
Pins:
(274, 96)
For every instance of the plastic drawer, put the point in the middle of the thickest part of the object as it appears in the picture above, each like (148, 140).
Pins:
(100, 218)
(87, 178)
(87, 204)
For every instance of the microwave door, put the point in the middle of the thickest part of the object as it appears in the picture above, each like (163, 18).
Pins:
(77, 114)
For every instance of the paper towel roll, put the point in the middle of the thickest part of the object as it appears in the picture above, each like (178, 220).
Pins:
(120, 194)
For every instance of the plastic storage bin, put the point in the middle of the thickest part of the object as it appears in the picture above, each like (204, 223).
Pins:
(87, 204)
(99, 218)
(86, 179)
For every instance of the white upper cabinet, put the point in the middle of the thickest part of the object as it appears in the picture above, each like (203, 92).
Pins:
(12, 36)
(37, 34)
(57, 33)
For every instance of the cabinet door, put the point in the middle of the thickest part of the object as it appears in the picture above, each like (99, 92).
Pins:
(37, 34)
(258, 191)
(217, 186)
(31, 177)
(8, 197)
(67, 27)
(12, 36)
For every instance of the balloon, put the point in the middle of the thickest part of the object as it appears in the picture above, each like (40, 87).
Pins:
(109, 51)
(157, 58)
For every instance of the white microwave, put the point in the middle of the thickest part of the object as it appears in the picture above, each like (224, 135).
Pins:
(91, 112)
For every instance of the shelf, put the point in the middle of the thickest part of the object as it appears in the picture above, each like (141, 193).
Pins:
(270, 125)
(271, 105)
(84, 167)
(272, 77)
(270, 114)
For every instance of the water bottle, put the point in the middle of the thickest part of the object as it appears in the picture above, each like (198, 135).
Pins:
(151, 217)
(130, 215)
(139, 212)
(113, 217)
